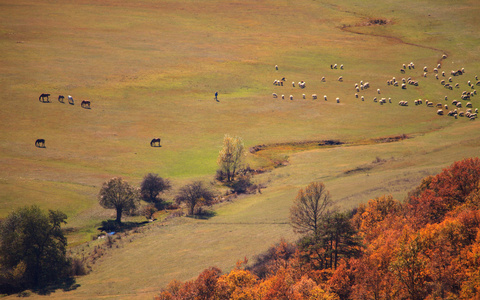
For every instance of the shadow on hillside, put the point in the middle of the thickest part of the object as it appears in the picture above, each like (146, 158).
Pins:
(68, 284)
(203, 215)
(113, 226)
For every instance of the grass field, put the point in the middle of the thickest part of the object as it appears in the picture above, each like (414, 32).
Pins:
(151, 68)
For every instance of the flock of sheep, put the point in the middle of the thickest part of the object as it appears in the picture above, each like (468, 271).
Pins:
(442, 108)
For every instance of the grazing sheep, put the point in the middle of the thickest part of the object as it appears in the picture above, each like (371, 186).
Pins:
(404, 66)
(429, 104)
(425, 74)
(356, 95)
(357, 89)
(443, 73)
(378, 91)
(404, 86)
(402, 71)
(335, 66)
(476, 110)
(444, 56)
(412, 65)
(425, 69)
(283, 97)
(374, 99)
(454, 102)
(461, 114)
(274, 95)
(446, 106)
(303, 96)
(442, 82)
(435, 70)
(293, 83)
(383, 100)
(363, 98)
(449, 79)
(340, 78)
(323, 79)
(463, 71)
(439, 105)
(338, 100)
(436, 76)
(366, 85)
(439, 66)
(469, 83)
(276, 67)
(440, 112)
(457, 85)
(459, 104)
(403, 103)
(448, 86)
(468, 104)
(389, 100)
(325, 97)
(291, 97)
(314, 96)
(341, 67)
(446, 98)
(301, 84)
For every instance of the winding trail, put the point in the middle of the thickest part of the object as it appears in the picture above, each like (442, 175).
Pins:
(350, 29)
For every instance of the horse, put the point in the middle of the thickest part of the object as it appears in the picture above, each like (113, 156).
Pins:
(40, 143)
(85, 104)
(42, 97)
(70, 100)
(61, 98)
(155, 142)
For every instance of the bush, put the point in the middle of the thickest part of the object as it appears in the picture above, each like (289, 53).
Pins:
(243, 185)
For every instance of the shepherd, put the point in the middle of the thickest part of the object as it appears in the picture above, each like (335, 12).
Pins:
(216, 96)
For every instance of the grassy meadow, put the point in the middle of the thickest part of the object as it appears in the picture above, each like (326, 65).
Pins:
(150, 69)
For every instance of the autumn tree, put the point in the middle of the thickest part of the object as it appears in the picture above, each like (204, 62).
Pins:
(119, 195)
(230, 158)
(310, 208)
(32, 249)
(194, 195)
(153, 185)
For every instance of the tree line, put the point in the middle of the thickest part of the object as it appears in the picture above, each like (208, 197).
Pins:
(425, 247)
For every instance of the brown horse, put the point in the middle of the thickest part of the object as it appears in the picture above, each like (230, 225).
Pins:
(61, 99)
(85, 104)
(40, 143)
(155, 142)
(42, 98)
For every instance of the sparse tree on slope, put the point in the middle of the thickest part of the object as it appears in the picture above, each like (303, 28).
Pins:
(231, 156)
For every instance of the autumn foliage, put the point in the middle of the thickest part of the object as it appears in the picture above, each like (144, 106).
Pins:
(426, 247)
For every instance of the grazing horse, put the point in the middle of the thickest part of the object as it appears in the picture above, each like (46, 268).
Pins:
(40, 143)
(42, 98)
(70, 100)
(85, 104)
(61, 98)
(155, 142)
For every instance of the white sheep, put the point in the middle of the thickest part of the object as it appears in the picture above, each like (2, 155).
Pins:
(303, 96)
(338, 100)
(314, 96)
(340, 78)
(378, 91)
(325, 97)
(291, 97)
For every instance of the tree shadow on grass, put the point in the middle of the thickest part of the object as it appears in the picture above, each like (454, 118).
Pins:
(66, 285)
(113, 226)
(203, 215)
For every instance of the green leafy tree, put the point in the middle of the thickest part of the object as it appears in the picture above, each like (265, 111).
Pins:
(152, 185)
(231, 156)
(119, 195)
(32, 249)
(194, 195)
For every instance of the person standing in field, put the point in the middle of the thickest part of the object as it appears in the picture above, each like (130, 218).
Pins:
(216, 96)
